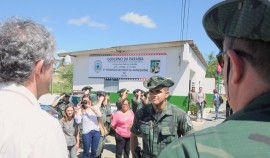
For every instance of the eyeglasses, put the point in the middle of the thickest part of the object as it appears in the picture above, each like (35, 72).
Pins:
(220, 56)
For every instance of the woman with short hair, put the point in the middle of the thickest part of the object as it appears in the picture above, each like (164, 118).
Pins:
(121, 123)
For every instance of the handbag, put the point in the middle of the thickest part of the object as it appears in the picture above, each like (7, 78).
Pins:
(103, 130)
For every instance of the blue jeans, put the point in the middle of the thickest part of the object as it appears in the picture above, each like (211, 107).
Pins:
(199, 108)
(216, 110)
(90, 139)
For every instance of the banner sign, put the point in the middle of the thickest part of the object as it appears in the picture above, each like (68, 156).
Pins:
(127, 66)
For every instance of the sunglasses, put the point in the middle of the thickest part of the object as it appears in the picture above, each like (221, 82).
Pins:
(220, 56)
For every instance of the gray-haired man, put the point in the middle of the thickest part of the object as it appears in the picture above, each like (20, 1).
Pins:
(26, 58)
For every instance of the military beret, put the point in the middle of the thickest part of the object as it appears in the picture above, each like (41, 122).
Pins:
(87, 88)
(247, 19)
(157, 81)
(122, 90)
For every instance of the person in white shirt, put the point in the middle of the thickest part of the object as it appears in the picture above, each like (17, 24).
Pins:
(26, 58)
(90, 117)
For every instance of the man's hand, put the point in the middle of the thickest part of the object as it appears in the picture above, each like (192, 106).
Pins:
(101, 99)
(125, 95)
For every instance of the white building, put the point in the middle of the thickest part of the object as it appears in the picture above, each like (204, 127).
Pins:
(111, 69)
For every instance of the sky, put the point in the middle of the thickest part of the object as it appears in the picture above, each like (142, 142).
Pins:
(94, 24)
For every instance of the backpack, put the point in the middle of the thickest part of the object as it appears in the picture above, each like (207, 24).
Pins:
(220, 99)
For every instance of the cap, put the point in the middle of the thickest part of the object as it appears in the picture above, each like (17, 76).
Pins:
(101, 93)
(238, 18)
(66, 94)
(146, 93)
(122, 90)
(87, 88)
(137, 90)
(157, 81)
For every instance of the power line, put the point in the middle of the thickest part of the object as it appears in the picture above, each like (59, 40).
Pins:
(187, 18)
(184, 19)
(181, 20)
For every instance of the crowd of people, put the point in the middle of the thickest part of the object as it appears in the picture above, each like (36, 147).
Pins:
(239, 28)
(146, 113)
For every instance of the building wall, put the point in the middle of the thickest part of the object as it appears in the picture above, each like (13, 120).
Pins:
(182, 65)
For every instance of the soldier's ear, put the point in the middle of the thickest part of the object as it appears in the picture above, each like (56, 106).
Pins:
(167, 93)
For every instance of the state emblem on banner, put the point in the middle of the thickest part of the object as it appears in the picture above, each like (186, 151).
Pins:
(154, 66)
(98, 66)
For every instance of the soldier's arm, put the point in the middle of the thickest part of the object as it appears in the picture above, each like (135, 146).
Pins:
(135, 131)
(54, 104)
(185, 125)
(133, 144)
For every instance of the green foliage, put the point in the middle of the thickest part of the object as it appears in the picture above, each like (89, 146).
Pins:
(212, 67)
(66, 79)
(66, 74)
(59, 87)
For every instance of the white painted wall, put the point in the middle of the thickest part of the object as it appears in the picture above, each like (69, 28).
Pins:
(208, 85)
(180, 74)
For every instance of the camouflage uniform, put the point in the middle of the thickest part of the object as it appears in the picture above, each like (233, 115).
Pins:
(118, 103)
(160, 129)
(60, 108)
(108, 117)
(244, 134)
(103, 110)
(136, 105)
(192, 102)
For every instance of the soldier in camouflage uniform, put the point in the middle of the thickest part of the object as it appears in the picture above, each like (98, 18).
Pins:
(123, 93)
(192, 101)
(61, 103)
(146, 100)
(160, 122)
(104, 109)
(137, 100)
(241, 28)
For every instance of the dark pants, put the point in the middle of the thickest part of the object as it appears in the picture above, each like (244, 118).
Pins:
(90, 139)
(199, 108)
(122, 144)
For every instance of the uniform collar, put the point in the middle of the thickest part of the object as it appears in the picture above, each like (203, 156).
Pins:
(260, 103)
(166, 111)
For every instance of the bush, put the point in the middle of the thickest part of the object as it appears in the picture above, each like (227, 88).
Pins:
(61, 87)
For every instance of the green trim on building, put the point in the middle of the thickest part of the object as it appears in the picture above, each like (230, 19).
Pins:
(180, 101)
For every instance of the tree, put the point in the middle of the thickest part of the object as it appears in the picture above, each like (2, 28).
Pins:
(65, 72)
(211, 69)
